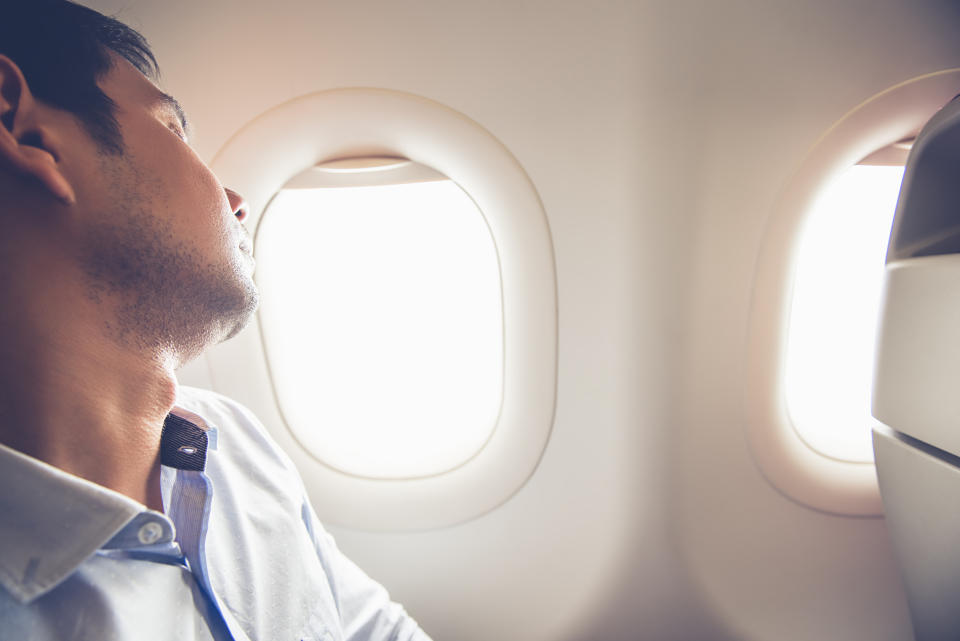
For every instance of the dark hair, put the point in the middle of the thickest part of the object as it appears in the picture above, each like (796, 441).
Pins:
(62, 49)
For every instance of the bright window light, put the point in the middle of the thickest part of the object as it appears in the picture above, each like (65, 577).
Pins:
(382, 320)
(836, 299)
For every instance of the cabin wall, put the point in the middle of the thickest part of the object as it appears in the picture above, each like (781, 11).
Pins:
(784, 74)
(658, 135)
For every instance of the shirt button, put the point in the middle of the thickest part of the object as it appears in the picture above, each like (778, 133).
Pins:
(150, 532)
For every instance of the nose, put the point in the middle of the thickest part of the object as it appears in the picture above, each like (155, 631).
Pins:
(238, 205)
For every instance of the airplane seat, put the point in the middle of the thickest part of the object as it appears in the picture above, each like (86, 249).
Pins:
(916, 393)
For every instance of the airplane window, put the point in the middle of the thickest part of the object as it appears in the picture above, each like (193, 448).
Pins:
(382, 317)
(836, 299)
(814, 303)
(405, 351)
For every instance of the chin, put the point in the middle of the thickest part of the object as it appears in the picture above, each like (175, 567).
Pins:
(244, 313)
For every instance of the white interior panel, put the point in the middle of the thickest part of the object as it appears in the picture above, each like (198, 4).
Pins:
(919, 364)
(921, 488)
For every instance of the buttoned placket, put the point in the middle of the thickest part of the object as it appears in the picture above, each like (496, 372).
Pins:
(190, 502)
(178, 537)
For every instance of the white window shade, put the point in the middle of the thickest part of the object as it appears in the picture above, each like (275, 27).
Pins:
(383, 323)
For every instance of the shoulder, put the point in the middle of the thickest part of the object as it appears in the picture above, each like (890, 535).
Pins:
(214, 408)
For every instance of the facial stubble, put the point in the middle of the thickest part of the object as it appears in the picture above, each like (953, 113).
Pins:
(158, 290)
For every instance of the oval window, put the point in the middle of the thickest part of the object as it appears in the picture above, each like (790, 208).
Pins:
(382, 317)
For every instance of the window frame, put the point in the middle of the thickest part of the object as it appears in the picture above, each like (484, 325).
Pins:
(789, 464)
(358, 122)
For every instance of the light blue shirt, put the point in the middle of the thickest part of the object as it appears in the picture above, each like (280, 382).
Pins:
(238, 554)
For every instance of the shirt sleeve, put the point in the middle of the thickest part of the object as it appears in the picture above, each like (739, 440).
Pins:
(366, 611)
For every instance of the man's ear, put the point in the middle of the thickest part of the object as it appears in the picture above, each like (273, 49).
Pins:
(28, 146)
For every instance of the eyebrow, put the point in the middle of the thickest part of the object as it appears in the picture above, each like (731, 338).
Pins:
(172, 103)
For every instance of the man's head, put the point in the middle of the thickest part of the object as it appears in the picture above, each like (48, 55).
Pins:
(100, 191)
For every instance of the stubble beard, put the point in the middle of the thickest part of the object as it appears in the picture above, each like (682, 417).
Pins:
(159, 293)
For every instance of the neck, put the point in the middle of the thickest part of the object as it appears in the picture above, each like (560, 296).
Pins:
(73, 398)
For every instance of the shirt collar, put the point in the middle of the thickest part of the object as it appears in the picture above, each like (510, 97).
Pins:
(51, 521)
(183, 444)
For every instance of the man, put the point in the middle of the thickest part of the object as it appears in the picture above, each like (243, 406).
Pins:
(131, 508)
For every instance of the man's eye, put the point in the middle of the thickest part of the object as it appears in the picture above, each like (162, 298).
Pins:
(175, 128)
